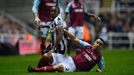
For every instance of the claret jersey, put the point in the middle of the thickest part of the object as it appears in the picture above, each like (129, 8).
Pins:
(87, 58)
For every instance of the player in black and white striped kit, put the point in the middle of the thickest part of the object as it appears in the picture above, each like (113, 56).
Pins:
(58, 42)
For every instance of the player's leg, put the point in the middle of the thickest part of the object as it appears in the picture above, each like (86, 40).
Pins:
(71, 30)
(63, 63)
(45, 60)
(62, 67)
(66, 65)
(43, 45)
(51, 59)
(47, 69)
(79, 32)
(44, 33)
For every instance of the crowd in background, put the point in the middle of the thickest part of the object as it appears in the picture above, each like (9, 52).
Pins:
(111, 22)
(10, 35)
(123, 22)
(10, 27)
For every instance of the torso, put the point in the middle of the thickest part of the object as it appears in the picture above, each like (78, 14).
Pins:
(76, 14)
(87, 59)
(44, 9)
(62, 47)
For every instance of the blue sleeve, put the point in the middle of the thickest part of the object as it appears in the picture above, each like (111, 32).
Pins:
(83, 43)
(85, 9)
(101, 63)
(35, 6)
(68, 8)
(59, 3)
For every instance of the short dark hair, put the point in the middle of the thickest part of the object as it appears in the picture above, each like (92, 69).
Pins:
(102, 40)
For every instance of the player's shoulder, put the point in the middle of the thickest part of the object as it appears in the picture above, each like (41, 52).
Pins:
(58, 18)
(83, 43)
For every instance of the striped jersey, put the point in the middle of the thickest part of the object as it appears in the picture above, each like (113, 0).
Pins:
(62, 47)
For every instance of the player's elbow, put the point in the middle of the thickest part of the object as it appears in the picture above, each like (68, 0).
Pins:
(34, 10)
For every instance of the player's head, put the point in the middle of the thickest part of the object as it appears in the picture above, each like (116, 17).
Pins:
(54, 11)
(99, 43)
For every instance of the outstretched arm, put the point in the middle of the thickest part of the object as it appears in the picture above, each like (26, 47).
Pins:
(72, 37)
(92, 15)
(35, 11)
(59, 35)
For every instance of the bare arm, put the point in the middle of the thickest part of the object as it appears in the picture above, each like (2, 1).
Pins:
(59, 35)
(72, 37)
(36, 15)
(36, 18)
(35, 11)
(89, 14)
(92, 15)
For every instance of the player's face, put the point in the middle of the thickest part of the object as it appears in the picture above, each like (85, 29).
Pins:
(98, 44)
(54, 12)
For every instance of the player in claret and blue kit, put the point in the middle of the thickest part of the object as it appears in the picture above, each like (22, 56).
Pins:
(89, 56)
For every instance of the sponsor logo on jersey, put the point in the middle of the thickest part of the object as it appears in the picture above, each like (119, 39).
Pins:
(87, 56)
(78, 10)
(51, 4)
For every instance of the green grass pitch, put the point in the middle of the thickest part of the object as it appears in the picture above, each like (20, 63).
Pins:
(118, 62)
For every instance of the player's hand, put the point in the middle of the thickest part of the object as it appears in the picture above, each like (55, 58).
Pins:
(37, 21)
(100, 70)
(98, 18)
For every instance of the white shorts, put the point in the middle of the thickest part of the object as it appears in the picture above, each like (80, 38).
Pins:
(77, 31)
(44, 30)
(66, 61)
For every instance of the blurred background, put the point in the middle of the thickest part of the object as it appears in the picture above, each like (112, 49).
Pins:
(19, 34)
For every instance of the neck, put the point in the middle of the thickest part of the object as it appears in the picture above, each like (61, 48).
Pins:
(95, 49)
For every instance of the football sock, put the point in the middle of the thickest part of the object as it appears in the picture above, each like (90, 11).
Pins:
(42, 64)
(45, 69)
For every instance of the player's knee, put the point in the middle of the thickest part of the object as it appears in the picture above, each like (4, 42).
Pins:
(46, 56)
(59, 68)
(42, 44)
(43, 40)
